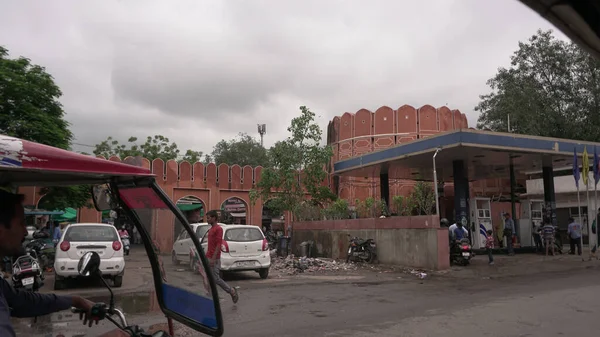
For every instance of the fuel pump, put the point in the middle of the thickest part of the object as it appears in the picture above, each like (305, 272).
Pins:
(481, 213)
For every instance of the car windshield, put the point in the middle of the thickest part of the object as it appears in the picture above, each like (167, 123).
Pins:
(90, 233)
(182, 290)
(201, 230)
(243, 234)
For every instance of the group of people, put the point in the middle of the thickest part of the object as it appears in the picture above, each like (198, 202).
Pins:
(457, 232)
(545, 236)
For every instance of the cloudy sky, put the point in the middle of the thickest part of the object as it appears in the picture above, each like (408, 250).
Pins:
(199, 71)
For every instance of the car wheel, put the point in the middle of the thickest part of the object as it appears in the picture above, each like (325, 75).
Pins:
(174, 258)
(263, 273)
(59, 283)
(118, 281)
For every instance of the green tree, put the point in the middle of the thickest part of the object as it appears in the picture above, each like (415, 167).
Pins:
(192, 156)
(29, 103)
(30, 109)
(552, 89)
(154, 147)
(423, 198)
(302, 152)
(242, 150)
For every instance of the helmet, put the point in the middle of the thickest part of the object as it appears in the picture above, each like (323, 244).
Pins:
(444, 222)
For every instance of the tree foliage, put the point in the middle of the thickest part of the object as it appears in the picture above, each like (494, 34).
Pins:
(29, 103)
(281, 182)
(422, 198)
(59, 198)
(552, 89)
(154, 147)
(30, 109)
(242, 150)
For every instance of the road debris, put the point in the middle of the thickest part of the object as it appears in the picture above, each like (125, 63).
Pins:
(292, 265)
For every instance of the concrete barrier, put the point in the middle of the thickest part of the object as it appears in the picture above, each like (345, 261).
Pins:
(415, 241)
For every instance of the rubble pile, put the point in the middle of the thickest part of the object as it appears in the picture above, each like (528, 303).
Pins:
(292, 265)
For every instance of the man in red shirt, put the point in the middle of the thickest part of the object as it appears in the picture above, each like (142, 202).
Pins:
(213, 253)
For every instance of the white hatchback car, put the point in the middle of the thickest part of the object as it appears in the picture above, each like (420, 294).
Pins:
(81, 238)
(183, 244)
(244, 248)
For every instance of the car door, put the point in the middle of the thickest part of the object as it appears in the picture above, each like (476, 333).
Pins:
(204, 242)
(178, 246)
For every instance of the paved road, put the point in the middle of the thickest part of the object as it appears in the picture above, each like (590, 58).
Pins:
(533, 306)
(536, 305)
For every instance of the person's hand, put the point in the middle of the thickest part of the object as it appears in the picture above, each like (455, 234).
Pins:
(211, 262)
(85, 306)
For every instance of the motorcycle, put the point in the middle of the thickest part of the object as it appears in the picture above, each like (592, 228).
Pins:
(462, 252)
(27, 273)
(271, 239)
(44, 251)
(126, 243)
(361, 250)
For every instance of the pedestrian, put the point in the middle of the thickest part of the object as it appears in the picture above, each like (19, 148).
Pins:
(213, 253)
(548, 233)
(56, 233)
(509, 232)
(574, 232)
(489, 245)
(537, 236)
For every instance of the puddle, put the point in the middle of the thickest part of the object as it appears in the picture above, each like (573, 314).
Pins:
(137, 308)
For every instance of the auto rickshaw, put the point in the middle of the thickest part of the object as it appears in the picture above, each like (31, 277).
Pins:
(133, 190)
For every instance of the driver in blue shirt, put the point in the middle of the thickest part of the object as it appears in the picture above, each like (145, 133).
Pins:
(459, 232)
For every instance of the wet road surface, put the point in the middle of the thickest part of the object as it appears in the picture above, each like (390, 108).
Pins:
(537, 305)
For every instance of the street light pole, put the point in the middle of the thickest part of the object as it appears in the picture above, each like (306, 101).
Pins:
(435, 183)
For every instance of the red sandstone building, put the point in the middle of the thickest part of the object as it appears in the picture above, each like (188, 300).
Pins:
(350, 135)
(353, 135)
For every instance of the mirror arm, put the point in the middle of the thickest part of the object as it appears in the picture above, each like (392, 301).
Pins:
(111, 304)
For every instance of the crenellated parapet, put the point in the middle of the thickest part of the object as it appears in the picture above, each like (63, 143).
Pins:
(354, 134)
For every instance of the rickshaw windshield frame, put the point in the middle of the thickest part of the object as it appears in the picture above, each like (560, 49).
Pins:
(154, 259)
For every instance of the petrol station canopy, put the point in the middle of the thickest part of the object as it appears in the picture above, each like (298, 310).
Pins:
(486, 154)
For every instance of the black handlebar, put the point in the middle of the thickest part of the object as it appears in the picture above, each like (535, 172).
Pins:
(97, 313)
(101, 311)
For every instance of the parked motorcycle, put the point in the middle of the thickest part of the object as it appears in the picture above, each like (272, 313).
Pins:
(271, 239)
(461, 253)
(126, 243)
(361, 250)
(27, 273)
(44, 251)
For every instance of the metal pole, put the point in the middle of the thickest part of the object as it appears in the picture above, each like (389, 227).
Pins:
(435, 183)
(589, 224)
(513, 197)
(580, 220)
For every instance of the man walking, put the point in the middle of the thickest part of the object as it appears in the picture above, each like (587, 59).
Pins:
(213, 252)
(574, 232)
(509, 232)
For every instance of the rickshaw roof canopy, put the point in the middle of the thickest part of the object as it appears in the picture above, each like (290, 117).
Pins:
(25, 163)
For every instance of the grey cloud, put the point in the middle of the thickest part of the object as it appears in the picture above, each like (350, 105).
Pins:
(200, 71)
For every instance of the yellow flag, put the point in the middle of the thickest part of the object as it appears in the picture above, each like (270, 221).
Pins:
(585, 169)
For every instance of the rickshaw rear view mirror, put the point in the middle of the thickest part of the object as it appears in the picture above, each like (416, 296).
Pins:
(89, 264)
(102, 197)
